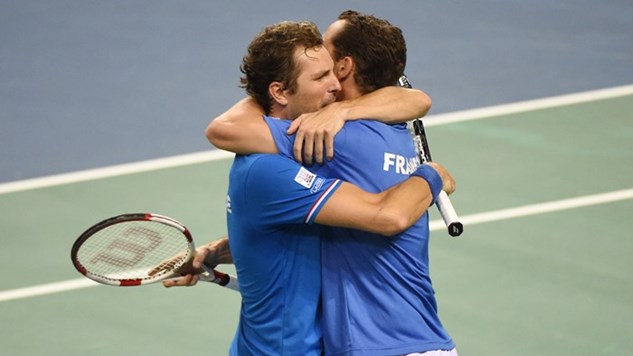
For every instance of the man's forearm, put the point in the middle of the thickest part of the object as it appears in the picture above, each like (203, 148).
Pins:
(241, 129)
(219, 252)
(387, 213)
(389, 105)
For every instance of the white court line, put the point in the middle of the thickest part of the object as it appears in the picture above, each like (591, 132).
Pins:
(541, 208)
(44, 289)
(114, 171)
(200, 157)
(432, 120)
(529, 105)
(468, 220)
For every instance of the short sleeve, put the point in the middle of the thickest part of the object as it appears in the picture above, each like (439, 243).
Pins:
(285, 192)
(283, 141)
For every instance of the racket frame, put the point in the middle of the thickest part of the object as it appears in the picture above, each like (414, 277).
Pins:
(189, 252)
(445, 206)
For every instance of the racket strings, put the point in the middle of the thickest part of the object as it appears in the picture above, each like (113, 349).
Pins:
(132, 249)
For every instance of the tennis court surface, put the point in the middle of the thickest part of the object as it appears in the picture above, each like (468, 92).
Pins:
(543, 267)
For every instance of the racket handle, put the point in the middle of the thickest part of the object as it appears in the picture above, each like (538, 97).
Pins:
(221, 278)
(449, 215)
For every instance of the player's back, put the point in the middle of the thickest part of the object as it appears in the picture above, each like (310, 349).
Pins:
(377, 293)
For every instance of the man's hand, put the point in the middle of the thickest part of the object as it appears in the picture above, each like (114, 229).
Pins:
(315, 133)
(447, 178)
(212, 254)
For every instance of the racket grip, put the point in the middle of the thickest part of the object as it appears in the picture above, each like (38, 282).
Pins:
(226, 280)
(449, 215)
(221, 278)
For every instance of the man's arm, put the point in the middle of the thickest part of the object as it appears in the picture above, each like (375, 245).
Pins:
(389, 105)
(315, 131)
(212, 254)
(391, 211)
(241, 129)
(387, 213)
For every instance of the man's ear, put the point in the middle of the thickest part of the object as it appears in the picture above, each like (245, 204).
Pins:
(344, 67)
(277, 93)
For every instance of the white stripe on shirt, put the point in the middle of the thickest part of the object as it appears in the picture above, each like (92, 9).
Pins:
(321, 199)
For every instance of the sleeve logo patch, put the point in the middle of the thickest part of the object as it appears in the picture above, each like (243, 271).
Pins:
(317, 185)
(305, 177)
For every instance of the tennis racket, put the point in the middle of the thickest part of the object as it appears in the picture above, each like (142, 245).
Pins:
(447, 211)
(136, 249)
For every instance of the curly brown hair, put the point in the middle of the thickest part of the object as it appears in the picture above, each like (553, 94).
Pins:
(377, 47)
(270, 58)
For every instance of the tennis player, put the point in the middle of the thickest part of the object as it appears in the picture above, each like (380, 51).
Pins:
(362, 272)
(271, 198)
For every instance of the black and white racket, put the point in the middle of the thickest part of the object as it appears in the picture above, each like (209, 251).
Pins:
(136, 249)
(449, 215)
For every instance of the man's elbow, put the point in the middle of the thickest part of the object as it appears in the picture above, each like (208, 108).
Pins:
(425, 103)
(394, 224)
(209, 133)
(217, 134)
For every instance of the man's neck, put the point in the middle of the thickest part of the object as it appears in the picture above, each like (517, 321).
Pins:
(278, 111)
(349, 89)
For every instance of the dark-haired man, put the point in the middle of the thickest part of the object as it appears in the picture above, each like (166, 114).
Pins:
(377, 292)
(271, 199)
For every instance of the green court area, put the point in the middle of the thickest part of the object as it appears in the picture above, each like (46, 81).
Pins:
(551, 283)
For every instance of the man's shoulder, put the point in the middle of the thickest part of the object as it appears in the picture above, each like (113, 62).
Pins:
(261, 161)
(270, 120)
(373, 123)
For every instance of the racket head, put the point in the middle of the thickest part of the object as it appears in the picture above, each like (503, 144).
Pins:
(122, 250)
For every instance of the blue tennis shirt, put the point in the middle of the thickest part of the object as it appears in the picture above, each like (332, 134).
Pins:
(377, 293)
(271, 200)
